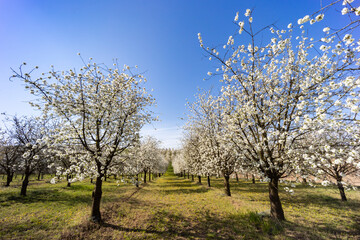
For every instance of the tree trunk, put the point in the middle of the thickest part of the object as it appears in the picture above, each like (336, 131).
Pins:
(208, 181)
(227, 185)
(149, 176)
(276, 210)
(188, 175)
(25, 183)
(192, 177)
(91, 180)
(67, 179)
(22, 177)
(199, 179)
(237, 177)
(137, 180)
(253, 179)
(39, 176)
(159, 174)
(9, 178)
(184, 174)
(96, 196)
(42, 176)
(341, 189)
(304, 181)
(144, 176)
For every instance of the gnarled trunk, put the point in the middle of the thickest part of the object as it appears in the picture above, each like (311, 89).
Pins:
(208, 181)
(276, 210)
(25, 183)
(68, 180)
(9, 178)
(96, 197)
(341, 189)
(227, 185)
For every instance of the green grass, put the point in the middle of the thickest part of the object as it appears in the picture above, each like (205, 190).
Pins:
(175, 208)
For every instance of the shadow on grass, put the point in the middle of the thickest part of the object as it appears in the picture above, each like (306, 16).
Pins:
(203, 225)
(186, 191)
(53, 195)
(322, 201)
(297, 231)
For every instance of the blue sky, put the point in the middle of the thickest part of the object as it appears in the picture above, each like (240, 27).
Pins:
(158, 36)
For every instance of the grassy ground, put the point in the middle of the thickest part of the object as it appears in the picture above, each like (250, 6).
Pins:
(175, 208)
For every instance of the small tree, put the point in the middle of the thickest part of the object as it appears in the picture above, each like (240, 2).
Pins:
(10, 152)
(333, 154)
(101, 111)
(217, 152)
(31, 135)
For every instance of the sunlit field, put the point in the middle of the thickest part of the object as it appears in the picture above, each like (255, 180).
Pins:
(180, 119)
(171, 207)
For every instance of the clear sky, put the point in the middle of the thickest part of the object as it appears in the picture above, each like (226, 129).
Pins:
(160, 36)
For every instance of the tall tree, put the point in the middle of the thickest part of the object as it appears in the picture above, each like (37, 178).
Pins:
(101, 111)
(277, 90)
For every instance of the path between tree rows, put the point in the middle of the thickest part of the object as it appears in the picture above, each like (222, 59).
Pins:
(171, 207)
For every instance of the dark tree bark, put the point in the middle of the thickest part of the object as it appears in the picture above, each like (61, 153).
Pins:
(237, 177)
(96, 196)
(144, 176)
(188, 175)
(276, 210)
(192, 177)
(9, 178)
(227, 185)
(199, 179)
(149, 176)
(341, 189)
(39, 176)
(208, 181)
(159, 174)
(137, 180)
(25, 183)
(67, 179)
(184, 174)
(253, 179)
(91, 180)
